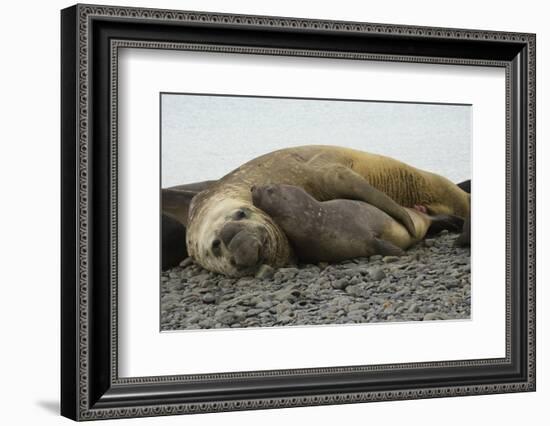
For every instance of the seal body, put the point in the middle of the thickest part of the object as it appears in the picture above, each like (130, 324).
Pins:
(336, 230)
(225, 209)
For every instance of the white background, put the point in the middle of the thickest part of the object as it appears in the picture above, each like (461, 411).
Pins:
(29, 225)
(146, 352)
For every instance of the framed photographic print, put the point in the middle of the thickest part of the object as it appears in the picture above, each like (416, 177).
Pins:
(263, 212)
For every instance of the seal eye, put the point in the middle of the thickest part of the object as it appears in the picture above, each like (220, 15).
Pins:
(216, 247)
(239, 214)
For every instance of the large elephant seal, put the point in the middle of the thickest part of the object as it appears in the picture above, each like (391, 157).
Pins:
(335, 230)
(227, 234)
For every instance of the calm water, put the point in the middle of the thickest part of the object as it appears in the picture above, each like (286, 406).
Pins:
(205, 137)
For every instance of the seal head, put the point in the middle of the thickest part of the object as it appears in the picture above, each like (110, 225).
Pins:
(235, 238)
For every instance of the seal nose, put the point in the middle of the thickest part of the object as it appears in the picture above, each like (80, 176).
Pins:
(229, 231)
(244, 244)
(246, 250)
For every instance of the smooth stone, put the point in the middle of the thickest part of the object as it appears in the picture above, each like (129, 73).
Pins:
(225, 317)
(377, 274)
(287, 294)
(355, 280)
(434, 316)
(193, 318)
(200, 278)
(252, 312)
(401, 293)
(208, 298)
(206, 323)
(284, 319)
(340, 284)
(265, 272)
(354, 290)
(413, 308)
(357, 313)
(390, 259)
(452, 284)
(429, 242)
(289, 272)
(186, 262)
(358, 306)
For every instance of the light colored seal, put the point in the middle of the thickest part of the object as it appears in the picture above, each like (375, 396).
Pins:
(227, 234)
(336, 230)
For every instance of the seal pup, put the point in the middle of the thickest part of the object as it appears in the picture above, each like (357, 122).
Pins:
(336, 230)
(224, 211)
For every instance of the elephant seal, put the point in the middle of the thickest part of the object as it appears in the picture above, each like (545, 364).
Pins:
(227, 234)
(335, 230)
(465, 236)
(173, 233)
(465, 185)
(175, 206)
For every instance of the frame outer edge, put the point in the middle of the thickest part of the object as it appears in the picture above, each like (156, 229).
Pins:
(69, 221)
(83, 13)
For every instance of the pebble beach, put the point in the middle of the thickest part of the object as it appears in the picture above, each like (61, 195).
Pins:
(431, 282)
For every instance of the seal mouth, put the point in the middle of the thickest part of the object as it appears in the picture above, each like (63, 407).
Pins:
(250, 269)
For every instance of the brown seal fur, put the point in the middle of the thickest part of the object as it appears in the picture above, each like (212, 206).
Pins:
(326, 173)
(335, 230)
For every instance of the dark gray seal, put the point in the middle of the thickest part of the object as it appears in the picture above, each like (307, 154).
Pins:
(336, 230)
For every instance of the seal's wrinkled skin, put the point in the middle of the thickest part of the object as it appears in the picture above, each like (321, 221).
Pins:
(335, 230)
(227, 234)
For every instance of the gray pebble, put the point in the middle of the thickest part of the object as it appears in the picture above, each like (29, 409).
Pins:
(429, 242)
(413, 308)
(434, 316)
(452, 283)
(186, 262)
(340, 284)
(265, 272)
(377, 274)
(431, 283)
(208, 298)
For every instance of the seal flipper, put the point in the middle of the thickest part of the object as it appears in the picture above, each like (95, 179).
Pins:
(173, 245)
(176, 200)
(445, 221)
(176, 203)
(464, 239)
(465, 186)
(339, 181)
(385, 248)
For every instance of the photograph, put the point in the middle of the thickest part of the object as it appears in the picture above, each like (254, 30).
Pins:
(280, 211)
